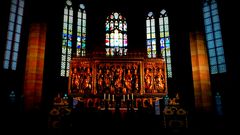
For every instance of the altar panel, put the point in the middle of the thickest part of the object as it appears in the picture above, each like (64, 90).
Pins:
(138, 76)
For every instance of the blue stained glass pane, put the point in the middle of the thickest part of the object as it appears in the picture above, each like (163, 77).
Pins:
(12, 17)
(167, 41)
(19, 19)
(14, 1)
(211, 52)
(219, 42)
(17, 37)
(207, 21)
(210, 44)
(206, 9)
(69, 36)
(220, 51)
(70, 43)
(10, 26)
(83, 45)
(18, 28)
(21, 3)
(13, 8)
(78, 38)
(153, 41)
(221, 59)
(208, 28)
(10, 35)
(215, 18)
(209, 36)
(216, 26)
(14, 65)
(213, 6)
(222, 68)
(213, 61)
(9, 45)
(214, 69)
(7, 55)
(64, 36)
(214, 12)
(148, 42)
(167, 45)
(162, 42)
(218, 34)
(16, 46)
(14, 56)
(20, 11)
(206, 14)
(6, 64)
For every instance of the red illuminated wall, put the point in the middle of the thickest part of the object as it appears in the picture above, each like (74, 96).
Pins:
(34, 65)
(200, 71)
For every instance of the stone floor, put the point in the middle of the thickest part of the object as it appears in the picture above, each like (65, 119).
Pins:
(37, 122)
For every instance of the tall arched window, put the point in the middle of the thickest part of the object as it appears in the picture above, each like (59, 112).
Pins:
(81, 31)
(116, 35)
(151, 36)
(14, 34)
(165, 41)
(67, 38)
(214, 37)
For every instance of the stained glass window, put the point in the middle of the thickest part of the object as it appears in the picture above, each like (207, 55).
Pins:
(165, 41)
(67, 38)
(151, 36)
(213, 37)
(116, 35)
(14, 34)
(81, 31)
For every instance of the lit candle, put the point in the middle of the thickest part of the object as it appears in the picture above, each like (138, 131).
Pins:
(104, 96)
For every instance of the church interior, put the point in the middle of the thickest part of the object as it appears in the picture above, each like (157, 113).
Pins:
(103, 65)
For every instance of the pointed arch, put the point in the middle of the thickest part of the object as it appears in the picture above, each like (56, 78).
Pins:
(165, 41)
(67, 38)
(151, 36)
(81, 31)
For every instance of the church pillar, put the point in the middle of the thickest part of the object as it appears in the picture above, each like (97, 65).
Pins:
(200, 72)
(34, 66)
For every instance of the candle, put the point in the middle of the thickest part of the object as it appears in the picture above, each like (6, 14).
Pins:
(127, 96)
(132, 95)
(113, 97)
(108, 96)
(104, 96)
(123, 97)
